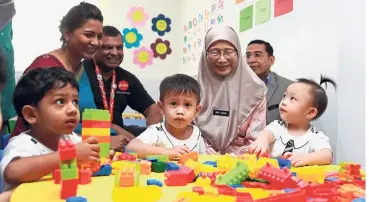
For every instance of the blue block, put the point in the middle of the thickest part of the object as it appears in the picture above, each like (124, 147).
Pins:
(284, 163)
(152, 159)
(293, 174)
(331, 179)
(289, 190)
(212, 163)
(76, 199)
(172, 166)
(154, 182)
(105, 170)
(359, 200)
(234, 186)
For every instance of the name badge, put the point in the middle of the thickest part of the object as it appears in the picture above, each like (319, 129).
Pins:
(273, 107)
(220, 113)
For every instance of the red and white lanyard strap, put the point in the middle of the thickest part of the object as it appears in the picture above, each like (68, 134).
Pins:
(103, 93)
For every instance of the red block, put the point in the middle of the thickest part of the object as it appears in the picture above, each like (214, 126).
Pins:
(84, 176)
(126, 157)
(101, 139)
(56, 176)
(175, 178)
(95, 124)
(68, 188)
(67, 151)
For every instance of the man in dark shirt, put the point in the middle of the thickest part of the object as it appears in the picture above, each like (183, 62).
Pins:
(107, 78)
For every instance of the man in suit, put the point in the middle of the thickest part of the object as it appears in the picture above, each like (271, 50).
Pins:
(260, 58)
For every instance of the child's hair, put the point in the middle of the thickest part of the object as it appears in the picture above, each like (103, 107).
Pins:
(3, 69)
(179, 83)
(33, 86)
(320, 99)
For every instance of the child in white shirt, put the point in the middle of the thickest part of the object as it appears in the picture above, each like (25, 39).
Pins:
(294, 137)
(180, 103)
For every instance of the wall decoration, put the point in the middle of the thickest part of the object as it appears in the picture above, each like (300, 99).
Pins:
(161, 48)
(161, 24)
(131, 38)
(239, 1)
(282, 7)
(246, 18)
(262, 11)
(143, 57)
(137, 16)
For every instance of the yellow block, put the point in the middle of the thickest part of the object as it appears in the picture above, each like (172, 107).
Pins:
(194, 165)
(203, 182)
(96, 131)
(263, 161)
(152, 193)
(195, 197)
(256, 193)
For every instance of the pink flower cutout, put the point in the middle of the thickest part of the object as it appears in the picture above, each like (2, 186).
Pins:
(143, 57)
(137, 16)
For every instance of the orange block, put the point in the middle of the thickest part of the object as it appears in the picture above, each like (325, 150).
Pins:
(145, 167)
(101, 139)
(192, 155)
(127, 178)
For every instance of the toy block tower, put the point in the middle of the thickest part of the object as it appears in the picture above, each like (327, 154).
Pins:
(68, 168)
(96, 123)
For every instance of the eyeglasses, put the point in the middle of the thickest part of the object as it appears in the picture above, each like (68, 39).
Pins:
(257, 56)
(215, 54)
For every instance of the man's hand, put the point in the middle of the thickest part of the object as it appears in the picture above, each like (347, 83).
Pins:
(122, 138)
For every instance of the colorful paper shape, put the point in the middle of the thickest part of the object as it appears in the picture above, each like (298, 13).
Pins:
(262, 11)
(143, 57)
(246, 16)
(239, 1)
(161, 48)
(137, 16)
(161, 24)
(131, 38)
(282, 7)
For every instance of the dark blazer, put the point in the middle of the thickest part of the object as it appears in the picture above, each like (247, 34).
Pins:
(276, 86)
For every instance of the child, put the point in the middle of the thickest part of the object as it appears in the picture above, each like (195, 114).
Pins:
(47, 99)
(179, 101)
(294, 137)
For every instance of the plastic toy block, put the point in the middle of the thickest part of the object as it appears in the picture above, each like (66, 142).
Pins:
(76, 199)
(95, 131)
(195, 166)
(235, 176)
(154, 182)
(244, 197)
(68, 188)
(237, 186)
(68, 174)
(126, 157)
(225, 190)
(84, 176)
(135, 166)
(198, 190)
(311, 174)
(256, 185)
(105, 170)
(126, 178)
(262, 161)
(256, 193)
(208, 168)
(192, 155)
(175, 178)
(158, 167)
(284, 163)
(67, 151)
(96, 115)
(104, 149)
(152, 159)
(212, 176)
(359, 200)
(172, 166)
(211, 163)
(56, 176)
(210, 191)
(276, 176)
(293, 196)
(145, 167)
(203, 181)
(101, 139)
(150, 193)
(189, 173)
(95, 124)
(161, 158)
(226, 162)
(289, 190)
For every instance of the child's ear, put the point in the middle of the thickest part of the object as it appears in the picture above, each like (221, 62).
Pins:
(198, 109)
(312, 113)
(29, 114)
(161, 107)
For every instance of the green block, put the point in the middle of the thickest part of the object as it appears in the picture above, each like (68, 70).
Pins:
(235, 176)
(104, 149)
(95, 115)
(161, 158)
(69, 174)
(65, 165)
(158, 167)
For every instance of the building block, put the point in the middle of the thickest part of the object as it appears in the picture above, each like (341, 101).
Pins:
(152, 159)
(67, 151)
(56, 176)
(256, 193)
(126, 178)
(68, 188)
(95, 131)
(95, 115)
(262, 161)
(172, 166)
(154, 182)
(104, 149)
(95, 124)
(101, 139)
(284, 163)
(192, 155)
(76, 199)
(203, 181)
(237, 186)
(158, 167)
(68, 174)
(226, 162)
(105, 170)
(175, 178)
(84, 176)
(235, 176)
(212, 163)
(145, 167)
(161, 158)
(280, 178)
(194, 165)
(126, 157)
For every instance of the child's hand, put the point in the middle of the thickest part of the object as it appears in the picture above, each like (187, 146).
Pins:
(296, 159)
(178, 151)
(260, 147)
(88, 150)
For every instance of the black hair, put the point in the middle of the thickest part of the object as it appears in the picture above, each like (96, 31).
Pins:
(111, 31)
(77, 16)
(179, 83)
(268, 47)
(320, 99)
(3, 69)
(33, 86)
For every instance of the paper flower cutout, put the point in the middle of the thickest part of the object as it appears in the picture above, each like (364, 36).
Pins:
(142, 57)
(131, 38)
(161, 48)
(161, 24)
(137, 16)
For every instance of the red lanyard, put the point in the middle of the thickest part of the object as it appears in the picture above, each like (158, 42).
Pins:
(103, 94)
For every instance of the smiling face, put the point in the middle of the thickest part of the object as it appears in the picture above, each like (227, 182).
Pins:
(259, 60)
(222, 57)
(110, 55)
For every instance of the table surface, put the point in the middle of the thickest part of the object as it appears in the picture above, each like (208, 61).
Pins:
(100, 189)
